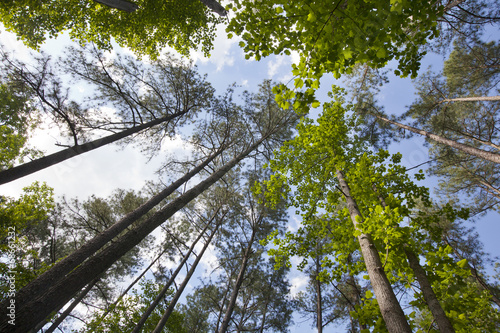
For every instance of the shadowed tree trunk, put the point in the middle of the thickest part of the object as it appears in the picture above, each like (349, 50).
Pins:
(49, 160)
(175, 299)
(32, 309)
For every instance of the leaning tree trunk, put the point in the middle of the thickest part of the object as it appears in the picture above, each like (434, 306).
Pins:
(119, 4)
(175, 299)
(32, 309)
(237, 285)
(167, 285)
(390, 308)
(486, 155)
(49, 160)
(430, 297)
(42, 283)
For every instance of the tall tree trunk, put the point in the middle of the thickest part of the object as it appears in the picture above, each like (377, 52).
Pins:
(319, 299)
(33, 309)
(42, 283)
(112, 306)
(165, 288)
(237, 285)
(486, 155)
(70, 308)
(430, 297)
(175, 299)
(390, 308)
(437, 311)
(471, 99)
(263, 322)
(49, 160)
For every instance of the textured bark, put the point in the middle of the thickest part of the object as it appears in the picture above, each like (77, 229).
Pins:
(437, 311)
(167, 285)
(49, 160)
(390, 308)
(70, 308)
(175, 299)
(486, 155)
(119, 4)
(237, 285)
(58, 271)
(32, 310)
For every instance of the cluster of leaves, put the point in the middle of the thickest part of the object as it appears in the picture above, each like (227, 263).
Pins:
(182, 25)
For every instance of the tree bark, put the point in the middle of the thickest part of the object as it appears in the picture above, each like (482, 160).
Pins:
(471, 99)
(33, 309)
(165, 288)
(390, 308)
(41, 284)
(319, 300)
(486, 155)
(237, 285)
(437, 311)
(70, 308)
(175, 299)
(49, 160)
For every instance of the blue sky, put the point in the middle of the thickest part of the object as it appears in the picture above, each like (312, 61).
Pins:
(101, 171)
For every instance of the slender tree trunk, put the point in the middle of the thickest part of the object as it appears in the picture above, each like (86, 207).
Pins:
(49, 160)
(119, 4)
(66, 312)
(165, 288)
(32, 309)
(237, 285)
(173, 302)
(486, 155)
(390, 308)
(471, 99)
(263, 322)
(437, 311)
(112, 306)
(430, 297)
(42, 283)
(319, 299)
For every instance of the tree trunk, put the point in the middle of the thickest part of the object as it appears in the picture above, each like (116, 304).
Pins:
(165, 288)
(66, 312)
(42, 283)
(47, 161)
(237, 286)
(319, 300)
(430, 297)
(471, 99)
(392, 313)
(486, 155)
(215, 7)
(437, 311)
(119, 4)
(32, 309)
(112, 306)
(173, 302)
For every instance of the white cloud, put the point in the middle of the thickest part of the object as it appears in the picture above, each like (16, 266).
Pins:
(223, 53)
(274, 65)
(298, 284)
